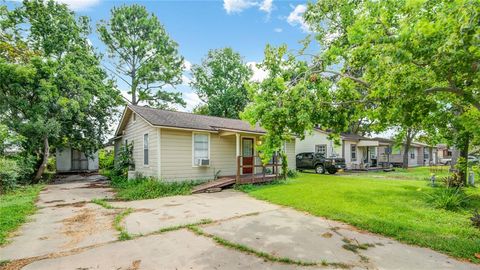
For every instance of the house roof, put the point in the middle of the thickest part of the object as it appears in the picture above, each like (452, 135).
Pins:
(173, 119)
(355, 137)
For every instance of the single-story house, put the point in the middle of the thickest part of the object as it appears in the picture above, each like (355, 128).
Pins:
(72, 160)
(361, 152)
(176, 146)
(420, 154)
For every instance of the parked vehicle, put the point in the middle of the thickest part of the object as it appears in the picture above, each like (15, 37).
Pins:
(319, 163)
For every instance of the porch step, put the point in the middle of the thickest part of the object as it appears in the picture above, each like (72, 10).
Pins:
(219, 183)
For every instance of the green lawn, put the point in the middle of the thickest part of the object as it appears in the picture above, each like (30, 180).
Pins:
(384, 204)
(15, 206)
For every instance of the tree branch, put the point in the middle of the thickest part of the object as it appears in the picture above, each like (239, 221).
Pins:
(360, 81)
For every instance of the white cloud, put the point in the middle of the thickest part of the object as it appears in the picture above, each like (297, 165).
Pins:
(266, 6)
(258, 74)
(187, 65)
(278, 30)
(237, 6)
(185, 80)
(192, 100)
(296, 18)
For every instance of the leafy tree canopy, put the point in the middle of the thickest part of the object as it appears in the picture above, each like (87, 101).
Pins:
(220, 82)
(141, 50)
(60, 95)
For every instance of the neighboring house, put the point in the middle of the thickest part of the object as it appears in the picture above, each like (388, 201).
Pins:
(361, 152)
(318, 142)
(444, 154)
(173, 146)
(71, 160)
(420, 154)
(358, 151)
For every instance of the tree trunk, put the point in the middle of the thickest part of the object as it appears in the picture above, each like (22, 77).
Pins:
(46, 154)
(464, 155)
(406, 148)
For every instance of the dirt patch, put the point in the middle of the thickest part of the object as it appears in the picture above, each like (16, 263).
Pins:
(75, 204)
(97, 185)
(135, 265)
(327, 235)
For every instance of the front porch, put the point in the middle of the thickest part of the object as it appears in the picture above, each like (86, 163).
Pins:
(253, 172)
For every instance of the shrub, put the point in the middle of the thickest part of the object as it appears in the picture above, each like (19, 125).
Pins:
(292, 173)
(52, 164)
(124, 161)
(453, 181)
(106, 159)
(10, 172)
(476, 219)
(448, 198)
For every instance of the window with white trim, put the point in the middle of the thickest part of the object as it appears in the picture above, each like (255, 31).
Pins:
(201, 146)
(145, 149)
(321, 149)
(353, 152)
(412, 153)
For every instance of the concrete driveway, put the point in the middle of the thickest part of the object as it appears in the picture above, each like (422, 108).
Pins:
(226, 230)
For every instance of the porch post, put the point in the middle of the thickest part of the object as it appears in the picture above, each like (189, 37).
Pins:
(237, 148)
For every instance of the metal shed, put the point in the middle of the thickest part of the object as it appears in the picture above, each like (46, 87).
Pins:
(72, 160)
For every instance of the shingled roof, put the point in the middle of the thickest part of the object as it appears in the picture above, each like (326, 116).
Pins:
(164, 118)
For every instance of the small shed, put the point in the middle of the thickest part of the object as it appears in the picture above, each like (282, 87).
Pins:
(72, 160)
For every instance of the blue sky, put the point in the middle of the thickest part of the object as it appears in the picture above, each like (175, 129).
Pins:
(197, 26)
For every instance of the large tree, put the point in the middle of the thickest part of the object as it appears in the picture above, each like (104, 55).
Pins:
(422, 52)
(144, 55)
(59, 95)
(220, 82)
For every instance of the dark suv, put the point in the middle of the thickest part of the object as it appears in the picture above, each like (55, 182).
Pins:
(319, 163)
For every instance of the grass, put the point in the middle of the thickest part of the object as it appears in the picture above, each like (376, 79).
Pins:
(15, 207)
(417, 173)
(381, 203)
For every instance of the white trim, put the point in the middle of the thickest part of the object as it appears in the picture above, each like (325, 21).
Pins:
(159, 153)
(254, 149)
(147, 165)
(193, 147)
(242, 131)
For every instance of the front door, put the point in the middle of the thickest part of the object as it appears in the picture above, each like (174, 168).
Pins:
(247, 153)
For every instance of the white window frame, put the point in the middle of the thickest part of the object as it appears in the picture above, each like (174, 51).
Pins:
(193, 147)
(353, 147)
(146, 148)
(134, 117)
(326, 149)
(412, 153)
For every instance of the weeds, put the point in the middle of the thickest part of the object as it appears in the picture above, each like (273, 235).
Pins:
(249, 250)
(118, 226)
(448, 199)
(103, 203)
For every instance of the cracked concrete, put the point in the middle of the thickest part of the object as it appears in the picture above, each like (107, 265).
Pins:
(69, 233)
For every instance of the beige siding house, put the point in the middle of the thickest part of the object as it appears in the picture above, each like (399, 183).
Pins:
(176, 146)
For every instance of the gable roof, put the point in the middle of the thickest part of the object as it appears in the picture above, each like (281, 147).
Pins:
(173, 119)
